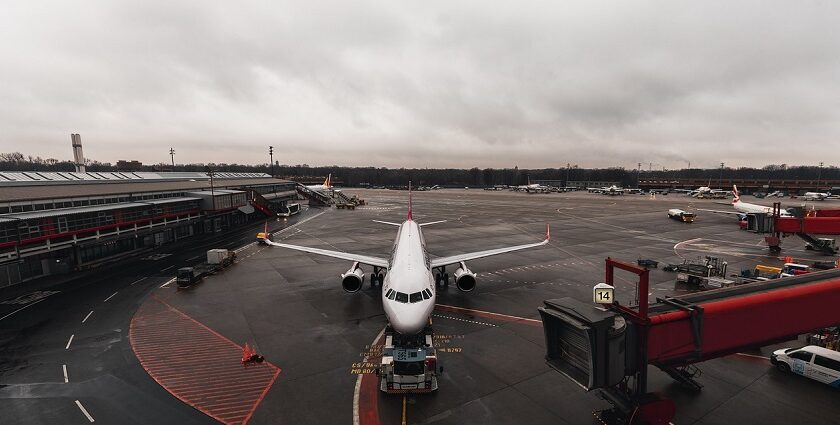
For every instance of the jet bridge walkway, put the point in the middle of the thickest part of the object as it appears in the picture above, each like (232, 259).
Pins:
(803, 223)
(610, 349)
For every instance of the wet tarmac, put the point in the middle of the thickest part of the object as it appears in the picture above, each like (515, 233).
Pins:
(291, 308)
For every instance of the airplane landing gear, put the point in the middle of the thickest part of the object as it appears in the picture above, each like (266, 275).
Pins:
(441, 278)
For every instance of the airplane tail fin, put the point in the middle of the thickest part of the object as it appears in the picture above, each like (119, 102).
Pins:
(409, 201)
(547, 232)
(737, 197)
(327, 182)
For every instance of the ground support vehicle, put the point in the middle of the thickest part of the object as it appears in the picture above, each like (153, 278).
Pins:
(409, 363)
(217, 259)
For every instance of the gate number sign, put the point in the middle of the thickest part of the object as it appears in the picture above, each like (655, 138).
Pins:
(603, 294)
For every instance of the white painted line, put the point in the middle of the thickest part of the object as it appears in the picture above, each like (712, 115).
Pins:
(82, 408)
(67, 347)
(752, 355)
(139, 280)
(194, 258)
(167, 268)
(358, 388)
(112, 296)
(167, 283)
(64, 368)
(86, 317)
(26, 306)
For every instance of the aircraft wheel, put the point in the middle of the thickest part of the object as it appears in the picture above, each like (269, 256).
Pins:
(373, 280)
(446, 280)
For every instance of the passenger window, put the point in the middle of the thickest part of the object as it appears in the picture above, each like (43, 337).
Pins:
(426, 294)
(402, 297)
(802, 355)
(826, 362)
(417, 296)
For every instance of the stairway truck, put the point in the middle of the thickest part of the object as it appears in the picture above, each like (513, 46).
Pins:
(680, 215)
(409, 363)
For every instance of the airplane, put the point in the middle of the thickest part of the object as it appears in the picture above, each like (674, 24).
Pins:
(703, 192)
(327, 185)
(744, 208)
(408, 287)
(531, 187)
(612, 190)
(816, 196)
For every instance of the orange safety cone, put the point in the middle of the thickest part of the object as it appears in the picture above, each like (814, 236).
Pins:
(247, 352)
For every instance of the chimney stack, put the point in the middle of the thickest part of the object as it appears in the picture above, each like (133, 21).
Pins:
(78, 157)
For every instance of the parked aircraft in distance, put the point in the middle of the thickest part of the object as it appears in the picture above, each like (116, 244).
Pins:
(744, 208)
(816, 196)
(326, 185)
(408, 287)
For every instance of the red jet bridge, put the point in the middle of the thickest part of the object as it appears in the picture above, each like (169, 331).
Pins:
(610, 349)
(803, 224)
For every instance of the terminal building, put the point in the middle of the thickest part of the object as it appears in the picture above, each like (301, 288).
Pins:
(56, 222)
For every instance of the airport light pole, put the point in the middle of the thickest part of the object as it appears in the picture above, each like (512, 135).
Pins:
(172, 155)
(819, 176)
(638, 174)
(212, 193)
(271, 158)
(720, 177)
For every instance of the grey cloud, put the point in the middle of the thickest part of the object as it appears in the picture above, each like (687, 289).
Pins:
(423, 83)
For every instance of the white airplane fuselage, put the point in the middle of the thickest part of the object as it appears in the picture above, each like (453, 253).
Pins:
(409, 272)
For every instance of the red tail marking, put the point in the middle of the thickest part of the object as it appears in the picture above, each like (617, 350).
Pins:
(327, 182)
(409, 201)
(547, 232)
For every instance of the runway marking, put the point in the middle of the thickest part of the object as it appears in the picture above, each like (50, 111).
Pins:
(64, 368)
(403, 411)
(752, 355)
(24, 307)
(169, 344)
(167, 283)
(139, 280)
(463, 320)
(82, 408)
(165, 269)
(489, 315)
(112, 296)
(67, 347)
(198, 256)
(86, 317)
(370, 399)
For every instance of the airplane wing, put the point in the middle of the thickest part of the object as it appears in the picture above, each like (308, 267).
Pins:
(364, 259)
(741, 216)
(444, 261)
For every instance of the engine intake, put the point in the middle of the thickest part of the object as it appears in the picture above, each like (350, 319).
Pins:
(354, 278)
(464, 279)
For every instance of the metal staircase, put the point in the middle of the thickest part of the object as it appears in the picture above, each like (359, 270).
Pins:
(260, 203)
(315, 197)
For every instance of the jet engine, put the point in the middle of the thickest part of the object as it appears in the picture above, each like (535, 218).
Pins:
(464, 278)
(354, 278)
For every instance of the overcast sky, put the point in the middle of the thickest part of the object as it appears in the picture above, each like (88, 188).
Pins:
(423, 83)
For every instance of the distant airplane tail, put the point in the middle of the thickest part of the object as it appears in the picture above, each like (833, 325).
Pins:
(328, 182)
(737, 197)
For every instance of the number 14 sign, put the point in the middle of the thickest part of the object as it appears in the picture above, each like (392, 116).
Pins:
(603, 294)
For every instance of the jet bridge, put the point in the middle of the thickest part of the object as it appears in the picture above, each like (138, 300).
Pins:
(609, 349)
(802, 223)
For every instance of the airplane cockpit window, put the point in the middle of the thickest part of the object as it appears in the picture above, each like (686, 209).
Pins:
(417, 296)
(402, 297)
(427, 294)
(390, 294)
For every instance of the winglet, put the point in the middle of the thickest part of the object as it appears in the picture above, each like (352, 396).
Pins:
(409, 201)
(547, 232)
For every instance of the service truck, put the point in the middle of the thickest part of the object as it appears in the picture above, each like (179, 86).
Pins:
(409, 363)
(680, 215)
(217, 259)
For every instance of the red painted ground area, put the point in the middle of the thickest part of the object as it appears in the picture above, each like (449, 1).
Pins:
(198, 365)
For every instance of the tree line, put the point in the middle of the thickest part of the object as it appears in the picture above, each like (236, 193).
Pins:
(474, 177)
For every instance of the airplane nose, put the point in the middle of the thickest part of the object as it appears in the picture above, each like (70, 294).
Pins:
(408, 325)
